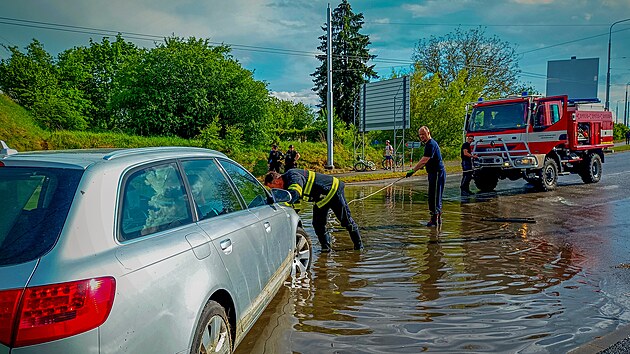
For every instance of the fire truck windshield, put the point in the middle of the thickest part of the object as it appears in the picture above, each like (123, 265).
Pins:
(498, 117)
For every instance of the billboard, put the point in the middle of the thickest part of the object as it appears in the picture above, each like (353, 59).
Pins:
(384, 105)
(576, 78)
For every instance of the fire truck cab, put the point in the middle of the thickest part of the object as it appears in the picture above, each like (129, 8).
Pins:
(538, 139)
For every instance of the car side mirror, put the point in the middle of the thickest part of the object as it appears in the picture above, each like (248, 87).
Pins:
(281, 195)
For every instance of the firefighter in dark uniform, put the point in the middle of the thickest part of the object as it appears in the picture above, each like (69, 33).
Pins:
(325, 192)
(432, 160)
(467, 167)
(290, 158)
(275, 156)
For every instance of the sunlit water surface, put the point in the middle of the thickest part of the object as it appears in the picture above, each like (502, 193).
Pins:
(516, 271)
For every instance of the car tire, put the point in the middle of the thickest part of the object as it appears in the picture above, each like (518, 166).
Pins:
(213, 331)
(303, 253)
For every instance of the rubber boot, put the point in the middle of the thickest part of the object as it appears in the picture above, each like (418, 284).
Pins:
(355, 236)
(434, 221)
(324, 241)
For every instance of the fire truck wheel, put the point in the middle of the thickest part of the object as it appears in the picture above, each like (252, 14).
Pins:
(549, 175)
(486, 180)
(591, 169)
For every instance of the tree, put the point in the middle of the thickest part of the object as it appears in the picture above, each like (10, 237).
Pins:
(31, 79)
(350, 56)
(181, 86)
(441, 108)
(474, 54)
(94, 70)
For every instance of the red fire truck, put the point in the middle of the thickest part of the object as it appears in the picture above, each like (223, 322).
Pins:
(538, 138)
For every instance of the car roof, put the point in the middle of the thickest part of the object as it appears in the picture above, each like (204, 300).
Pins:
(82, 158)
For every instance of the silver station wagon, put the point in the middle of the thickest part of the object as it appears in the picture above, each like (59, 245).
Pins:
(149, 250)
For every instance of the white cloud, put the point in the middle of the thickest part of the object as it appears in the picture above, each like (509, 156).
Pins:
(435, 8)
(306, 96)
(533, 2)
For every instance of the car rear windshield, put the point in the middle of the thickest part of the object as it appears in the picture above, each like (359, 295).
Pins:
(35, 204)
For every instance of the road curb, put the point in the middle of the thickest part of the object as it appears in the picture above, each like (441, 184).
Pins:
(602, 343)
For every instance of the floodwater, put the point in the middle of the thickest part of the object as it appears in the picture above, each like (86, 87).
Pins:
(513, 271)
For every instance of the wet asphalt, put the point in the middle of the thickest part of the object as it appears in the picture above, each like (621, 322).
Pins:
(616, 342)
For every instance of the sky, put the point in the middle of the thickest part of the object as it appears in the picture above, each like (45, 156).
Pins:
(277, 39)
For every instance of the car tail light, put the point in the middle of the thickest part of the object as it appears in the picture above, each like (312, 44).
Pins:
(45, 313)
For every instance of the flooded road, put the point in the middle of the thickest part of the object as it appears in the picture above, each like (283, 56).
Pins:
(490, 280)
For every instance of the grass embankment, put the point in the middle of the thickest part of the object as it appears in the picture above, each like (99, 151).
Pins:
(19, 130)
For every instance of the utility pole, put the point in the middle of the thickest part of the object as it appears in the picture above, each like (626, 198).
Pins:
(329, 96)
(625, 109)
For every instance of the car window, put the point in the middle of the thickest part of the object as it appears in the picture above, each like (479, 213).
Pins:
(211, 191)
(248, 186)
(154, 199)
(35, 204)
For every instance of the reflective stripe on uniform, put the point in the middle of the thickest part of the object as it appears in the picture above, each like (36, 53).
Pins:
(296, 187)
(331, 193)
(309, 185)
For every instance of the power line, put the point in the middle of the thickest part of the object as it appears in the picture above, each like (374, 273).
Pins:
(484, 25)
(569, 42)
(250, 48)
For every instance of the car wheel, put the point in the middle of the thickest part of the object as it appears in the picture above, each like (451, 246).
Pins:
(213, 331)
(303, 253)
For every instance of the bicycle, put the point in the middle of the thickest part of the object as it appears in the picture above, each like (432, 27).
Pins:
(397, 161)
(363, 165)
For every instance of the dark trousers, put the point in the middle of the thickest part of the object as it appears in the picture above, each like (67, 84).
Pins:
(289, 165)
(436, 189)
(467, 175)
(341, 209)
(274, 166)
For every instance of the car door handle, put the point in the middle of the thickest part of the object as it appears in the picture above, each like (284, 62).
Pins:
(267, 226)
(226, 246)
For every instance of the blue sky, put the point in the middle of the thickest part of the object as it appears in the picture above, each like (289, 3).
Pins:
(277, 39)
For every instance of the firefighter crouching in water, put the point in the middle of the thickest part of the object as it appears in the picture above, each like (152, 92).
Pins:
(326, 192)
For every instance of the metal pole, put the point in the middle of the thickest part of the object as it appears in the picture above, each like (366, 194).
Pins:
(404, 122)
(395, 132)
(625, 109)
(608, 70)
(329, 100)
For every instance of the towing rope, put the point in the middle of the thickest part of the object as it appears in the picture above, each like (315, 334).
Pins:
(371, 194)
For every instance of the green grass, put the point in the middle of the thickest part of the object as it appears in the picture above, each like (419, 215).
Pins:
(18, 129)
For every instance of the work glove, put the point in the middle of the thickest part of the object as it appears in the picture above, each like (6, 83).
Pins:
(409, 173)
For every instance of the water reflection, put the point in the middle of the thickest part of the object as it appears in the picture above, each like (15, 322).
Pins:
(471, 285)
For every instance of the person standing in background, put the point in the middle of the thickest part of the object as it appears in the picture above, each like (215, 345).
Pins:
(389, 158)
(275, 156)
(290, 158)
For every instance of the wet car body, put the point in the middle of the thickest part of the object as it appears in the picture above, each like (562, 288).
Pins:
(132, 237)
